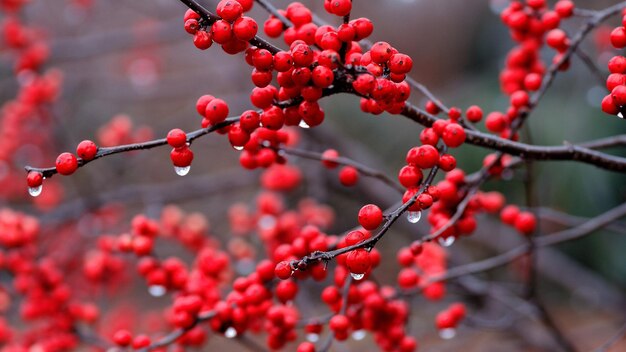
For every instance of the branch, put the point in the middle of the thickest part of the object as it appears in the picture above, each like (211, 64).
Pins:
(210, 18)
(363, 169)
(526, 151)
(269, 7)
(102, 152)
(590, 226)
(613, 340)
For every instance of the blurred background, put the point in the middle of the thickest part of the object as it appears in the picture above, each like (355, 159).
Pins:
(134, 58)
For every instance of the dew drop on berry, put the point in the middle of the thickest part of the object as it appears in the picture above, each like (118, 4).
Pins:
(182, 171)
(312, 337)
(357, 277)
(359, 335)
(446, 242)
(447, 334)
(238, 147)
(414, 216)
(230, 333)
(303, 124)
(35, 191)
(156, 290)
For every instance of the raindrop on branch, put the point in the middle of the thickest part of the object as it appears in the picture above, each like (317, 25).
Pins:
(303, 124)
(446, 242)
(230, 333)
(414, 216)
(357, 277)
(35, 191)
(156, 290)
(447, 334)
(182, 171)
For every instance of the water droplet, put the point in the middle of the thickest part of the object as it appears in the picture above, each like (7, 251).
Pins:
(357, 277)
(156, 290)
(359, 335)
(303, 124)
(446, 242)
(447, 334)
(620, 115)
(414, 216)
(238, 147)
(182, 171)
(312, 337)
(35, 191)
(230, 333)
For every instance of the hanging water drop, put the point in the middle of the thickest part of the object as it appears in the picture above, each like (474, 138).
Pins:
(230, 333)
(238, 147)
(620, 115)
(182, 171)
(446, 242)
(303, 124)
(35, 191)
(156, 290)
(312, 337)
(447, 334)
(359, 335)
(357, 277)
(414, 216)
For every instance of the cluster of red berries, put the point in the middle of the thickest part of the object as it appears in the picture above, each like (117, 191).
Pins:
(614, 102)
(450, 317)
(523, 221)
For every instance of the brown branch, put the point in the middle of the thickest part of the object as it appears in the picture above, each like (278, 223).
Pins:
(210, 18)
(588, 227)
(526, 151)
(363, 169)
(593, 68)
(176, 334)
(102, 152)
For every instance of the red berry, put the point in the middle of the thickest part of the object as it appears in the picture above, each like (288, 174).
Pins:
(370, 217)
(66, 164)
(330, 154)
(122, 338)
(410, 176)
(87, 150)
(348, 176)
(245, 28)
(34, 179)
(453, 135)
(509, 214)
(358, 261)
(176, 138)
(283, 270)
(424, 157)
(525, 222)
(381, 52)
(216, 111)
(565, 8)
(474, 114)
(229, 10)
(203, 40)
(181, 157)
(618, 37)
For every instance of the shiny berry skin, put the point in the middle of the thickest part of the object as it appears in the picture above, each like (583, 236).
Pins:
(619, 95)
(447, 162)
(66, 164)
(445, 320)
(410, 176)
(34, 179)
(229, 10)
(340, 7)
(525, 222)
(370, 217)
(283, 270)
(216, 111)
(348, 176)
(222, 32)
(496, 122)
(191, 26)
(453, 135)
(618, 38)
(302, 55)
(203, 40)
(87, 150)
(283, 61)
(176, 138)
(424, 157)
(358, 261)
(339, 323)
(322, 76)
(181, 157)
(565, 8)
(400, 63)
(245, 28)
(407, 278)
(381, 52)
